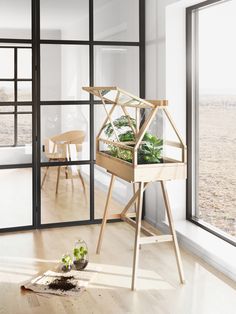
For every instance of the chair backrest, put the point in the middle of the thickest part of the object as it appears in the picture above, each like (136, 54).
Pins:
(70, 137)
(62, 141)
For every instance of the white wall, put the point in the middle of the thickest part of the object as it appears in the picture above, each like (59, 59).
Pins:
(165, 78)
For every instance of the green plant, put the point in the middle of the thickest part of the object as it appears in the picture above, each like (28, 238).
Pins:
(79, 253)
(119, 123)
(150, 150)
(67, 261)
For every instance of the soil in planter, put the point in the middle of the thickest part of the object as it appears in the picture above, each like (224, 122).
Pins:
(62, 283)
(81, 264)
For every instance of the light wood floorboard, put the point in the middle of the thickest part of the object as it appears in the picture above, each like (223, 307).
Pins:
(24, 255)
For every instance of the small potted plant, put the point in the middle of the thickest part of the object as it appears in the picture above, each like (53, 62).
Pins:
(80, 253)
(67, 262)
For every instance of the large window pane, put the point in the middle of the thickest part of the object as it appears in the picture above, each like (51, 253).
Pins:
(116, 20)
(65, 19)
(6, 130)
(6, 63)
(6, 91)
(24, 129)
(61, 125)
(64, 71)
(24, 63)
(216, 116)
(16, 197)
(69, 201)
(24, 91)
(15, 19)
(117, 66)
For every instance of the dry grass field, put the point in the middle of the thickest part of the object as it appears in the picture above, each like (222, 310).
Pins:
(217, 166)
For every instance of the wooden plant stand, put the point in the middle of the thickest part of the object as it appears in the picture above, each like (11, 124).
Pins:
(134, 172)
(150, 237)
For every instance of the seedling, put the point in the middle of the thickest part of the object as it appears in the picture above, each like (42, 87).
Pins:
(67, 262)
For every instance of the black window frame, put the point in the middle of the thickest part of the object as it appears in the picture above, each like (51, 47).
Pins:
(192, 117)
(37, 164)
(16, 103)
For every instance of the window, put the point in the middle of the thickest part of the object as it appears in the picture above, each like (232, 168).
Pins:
(211, 97)
(15, 96)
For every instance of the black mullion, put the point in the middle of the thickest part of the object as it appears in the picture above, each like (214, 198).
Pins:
(89, 42)
(64, 102)
(12, 112)
(91, 98)
(17, 41)
(36, 110)
(15, 97)
(15, 166)
(65, 163)
(7, 80)
(15, 47)
(24, 80)
(13, 103)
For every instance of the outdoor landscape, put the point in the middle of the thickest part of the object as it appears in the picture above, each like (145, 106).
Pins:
(217, 166)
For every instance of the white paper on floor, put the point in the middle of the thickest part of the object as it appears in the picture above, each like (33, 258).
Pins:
(60, 283)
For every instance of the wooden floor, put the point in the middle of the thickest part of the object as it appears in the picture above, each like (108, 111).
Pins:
(69, 204)
(24, 255)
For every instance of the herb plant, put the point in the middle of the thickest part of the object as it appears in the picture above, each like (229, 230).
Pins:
(79, 253)
(150, 150)
(66, 261)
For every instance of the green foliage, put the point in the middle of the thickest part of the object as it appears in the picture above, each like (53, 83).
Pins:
(119, 123)
(150, 150)
(79, 253)
(67, 260)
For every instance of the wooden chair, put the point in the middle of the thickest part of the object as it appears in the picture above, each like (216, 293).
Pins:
(58, 148)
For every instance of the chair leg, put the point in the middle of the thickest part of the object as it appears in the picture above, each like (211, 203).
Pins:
(83, 184)
(104, 220)
(172, 229)
(137, 235)
(58, 178)
(44, 177)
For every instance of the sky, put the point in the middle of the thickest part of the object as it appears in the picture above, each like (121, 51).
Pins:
(217, 49)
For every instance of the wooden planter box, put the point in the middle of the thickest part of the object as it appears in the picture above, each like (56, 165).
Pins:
(169, 169)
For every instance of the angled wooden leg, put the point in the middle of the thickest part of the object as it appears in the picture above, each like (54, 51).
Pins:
(172, 229)
(58, 178)
(104, 220)
(134, 190)
(44, 177)
(83, 184)
(137, 235)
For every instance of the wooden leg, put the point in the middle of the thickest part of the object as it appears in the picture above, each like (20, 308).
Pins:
(44, 177)
(104, 220)
(83, 184)
(58, 178)
(137, 235)
(172, 229)
(134, 191)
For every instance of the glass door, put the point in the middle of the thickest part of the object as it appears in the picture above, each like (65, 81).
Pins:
(64, 112)
(16, 164)
(48, 124)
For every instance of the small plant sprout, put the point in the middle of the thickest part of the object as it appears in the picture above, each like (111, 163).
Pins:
(67, 262)
(79, 253)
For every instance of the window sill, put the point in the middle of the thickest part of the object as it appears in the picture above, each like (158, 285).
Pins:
(215, 251)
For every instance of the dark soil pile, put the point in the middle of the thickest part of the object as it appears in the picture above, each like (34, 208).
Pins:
(62, 283)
